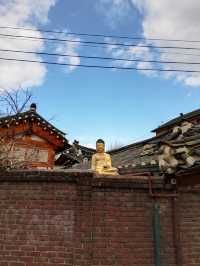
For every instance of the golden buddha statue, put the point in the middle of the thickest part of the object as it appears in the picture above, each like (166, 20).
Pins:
(101, 161)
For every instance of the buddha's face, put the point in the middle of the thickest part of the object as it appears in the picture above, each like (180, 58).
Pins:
(100, 147)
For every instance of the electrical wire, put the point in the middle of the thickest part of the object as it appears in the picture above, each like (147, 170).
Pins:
(100, 43)
(100, 66)
(100, 35)
(104, 47)
(100, 57)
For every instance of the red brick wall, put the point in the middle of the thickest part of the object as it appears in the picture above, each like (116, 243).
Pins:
(190, 228)
(36, 223)
(122, 226)
(72, 219)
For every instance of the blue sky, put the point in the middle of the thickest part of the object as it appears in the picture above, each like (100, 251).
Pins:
(118, 106)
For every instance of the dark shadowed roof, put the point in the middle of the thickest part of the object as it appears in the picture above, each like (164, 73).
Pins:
(86, 149)
(178, 119)
(132, 158)
(74, 155)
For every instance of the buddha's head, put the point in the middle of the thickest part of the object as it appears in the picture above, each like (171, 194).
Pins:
(100, 146)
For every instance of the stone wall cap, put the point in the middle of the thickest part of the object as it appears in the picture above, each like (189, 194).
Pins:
(81, 177)
(44, 175)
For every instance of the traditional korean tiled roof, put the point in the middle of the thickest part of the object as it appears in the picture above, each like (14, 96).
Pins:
(135, 158)
(131, 158)
(143, 156)
(87, 150)
(76, 154)
(32, 117)
(178, 119)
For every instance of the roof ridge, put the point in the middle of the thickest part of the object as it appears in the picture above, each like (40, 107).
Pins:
(179, 118)
(30, 112)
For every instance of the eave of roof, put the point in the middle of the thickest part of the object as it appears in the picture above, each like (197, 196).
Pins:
(25, 115)
(31, 115)
(84, 148)
(179, 119)
(139, 143)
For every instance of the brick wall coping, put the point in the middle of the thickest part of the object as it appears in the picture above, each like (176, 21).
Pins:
(44, 175)
(80, 177)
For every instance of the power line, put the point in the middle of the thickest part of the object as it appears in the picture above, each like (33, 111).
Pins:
(174, 53)
(100, 35)
(99, 66)
(100, 43)
(104, 47)
(100, 57)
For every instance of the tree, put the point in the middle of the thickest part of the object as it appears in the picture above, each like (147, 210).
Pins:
(12, 103)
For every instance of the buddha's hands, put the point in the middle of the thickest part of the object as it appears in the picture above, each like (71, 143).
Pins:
(106, 166)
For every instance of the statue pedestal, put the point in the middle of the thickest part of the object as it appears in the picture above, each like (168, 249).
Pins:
(106, 175)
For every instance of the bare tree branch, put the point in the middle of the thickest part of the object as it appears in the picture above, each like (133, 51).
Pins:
(12, 103)
(27, 98)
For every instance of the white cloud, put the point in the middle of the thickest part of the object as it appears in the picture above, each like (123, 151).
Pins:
(69, 48)
(169, 19)
(22, 13)
(113, 10)
(131, 53)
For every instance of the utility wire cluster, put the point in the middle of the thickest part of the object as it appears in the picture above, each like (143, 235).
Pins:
(160, 49)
